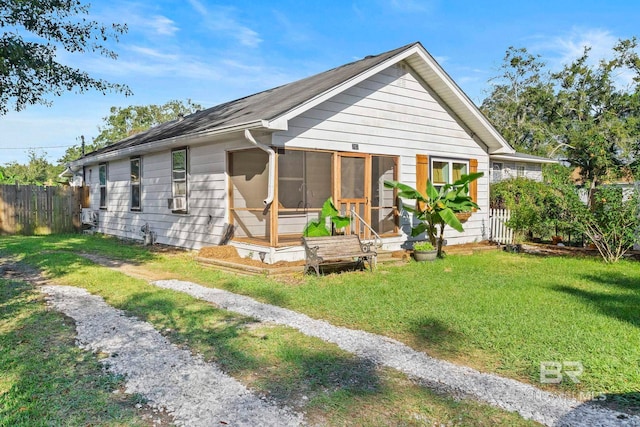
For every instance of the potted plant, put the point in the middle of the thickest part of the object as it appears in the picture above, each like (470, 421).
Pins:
(424, 251)
(438, 208)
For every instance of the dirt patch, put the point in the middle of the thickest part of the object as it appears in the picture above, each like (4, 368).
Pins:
(230, 254)
(128, 268)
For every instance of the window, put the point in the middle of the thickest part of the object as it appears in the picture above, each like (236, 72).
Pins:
(136, 194)
(103, 177)
(447, 171)
(179, 180)
(496, 172)
(520, 170)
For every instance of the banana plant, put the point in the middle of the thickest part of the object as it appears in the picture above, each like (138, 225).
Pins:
(437, 209)
(318, 228)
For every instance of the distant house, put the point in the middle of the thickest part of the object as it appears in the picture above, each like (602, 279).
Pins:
(516, 165)
(262, 166)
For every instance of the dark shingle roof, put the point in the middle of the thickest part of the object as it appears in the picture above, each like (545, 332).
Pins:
(267, 105)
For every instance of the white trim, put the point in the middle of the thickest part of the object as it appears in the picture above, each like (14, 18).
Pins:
(517, 159)
(449, 160)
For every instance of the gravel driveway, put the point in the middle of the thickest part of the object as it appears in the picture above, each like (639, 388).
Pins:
(194, 392)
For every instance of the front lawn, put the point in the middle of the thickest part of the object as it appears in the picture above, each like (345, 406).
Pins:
(46, 379)
(327, 384)
(498, 312)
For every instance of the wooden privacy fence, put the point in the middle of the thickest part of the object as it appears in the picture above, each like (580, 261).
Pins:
(498, 230)
(33, 209)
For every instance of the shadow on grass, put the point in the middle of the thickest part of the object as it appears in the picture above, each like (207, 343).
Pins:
(433, 332)
(624, 402)
(52, 382)
(23, 246)
(199, 325)
(306, 375)
(620, 301)
(277, 364)
(627, 404)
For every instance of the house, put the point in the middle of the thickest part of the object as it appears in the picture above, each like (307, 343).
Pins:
(260, 167)
(517, 165)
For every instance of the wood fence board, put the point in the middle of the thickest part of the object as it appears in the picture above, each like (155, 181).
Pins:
(31, 209)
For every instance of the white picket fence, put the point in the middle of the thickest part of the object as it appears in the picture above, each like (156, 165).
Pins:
(499, 232)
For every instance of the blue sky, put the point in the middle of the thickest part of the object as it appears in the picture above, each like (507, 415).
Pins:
(211, 51)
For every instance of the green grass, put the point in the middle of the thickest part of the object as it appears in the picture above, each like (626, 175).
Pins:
(46, 380)
(498, 312)
(330, 386)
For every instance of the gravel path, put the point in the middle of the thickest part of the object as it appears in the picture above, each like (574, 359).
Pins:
(511, 395)
(194, 392)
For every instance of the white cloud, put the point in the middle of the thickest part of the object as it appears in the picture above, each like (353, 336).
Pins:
(220, 19)
(410, 5)
(163, 25)
(154, 53)
(565, 48)
(289, 31)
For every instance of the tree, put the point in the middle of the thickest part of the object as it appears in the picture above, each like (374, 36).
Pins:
(33, 30)
(521, 102)
(598, 122)
(437, 209)
(581, 113)
(612, 223)
(124, 122)
(37, 171)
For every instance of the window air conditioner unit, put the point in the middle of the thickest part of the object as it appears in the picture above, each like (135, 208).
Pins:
(89, 216)
(178, 203)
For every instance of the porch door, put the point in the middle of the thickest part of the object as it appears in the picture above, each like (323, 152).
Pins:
(354, 189)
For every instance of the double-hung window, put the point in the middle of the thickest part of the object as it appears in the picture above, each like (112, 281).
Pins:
(103, 178)
(447, 171)
(179, 180)
(136, 178)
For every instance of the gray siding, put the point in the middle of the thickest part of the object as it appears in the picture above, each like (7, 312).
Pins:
(201, 226)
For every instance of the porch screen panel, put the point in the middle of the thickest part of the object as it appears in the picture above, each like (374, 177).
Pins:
(382, 200)
(304, 179)
(352, 177)
(249, 175)
(304, 183)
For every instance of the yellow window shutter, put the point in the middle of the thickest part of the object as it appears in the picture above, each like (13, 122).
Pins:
(473, 186)
(422, 173)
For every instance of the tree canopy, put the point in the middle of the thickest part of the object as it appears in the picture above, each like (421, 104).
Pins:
(124, 122)
(32, 32)
(37, 171)
(584, 113)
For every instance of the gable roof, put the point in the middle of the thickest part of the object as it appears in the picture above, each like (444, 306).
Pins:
(271, 109)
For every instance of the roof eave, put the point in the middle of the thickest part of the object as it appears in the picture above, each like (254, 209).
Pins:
(176, 141)
(508, 157)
